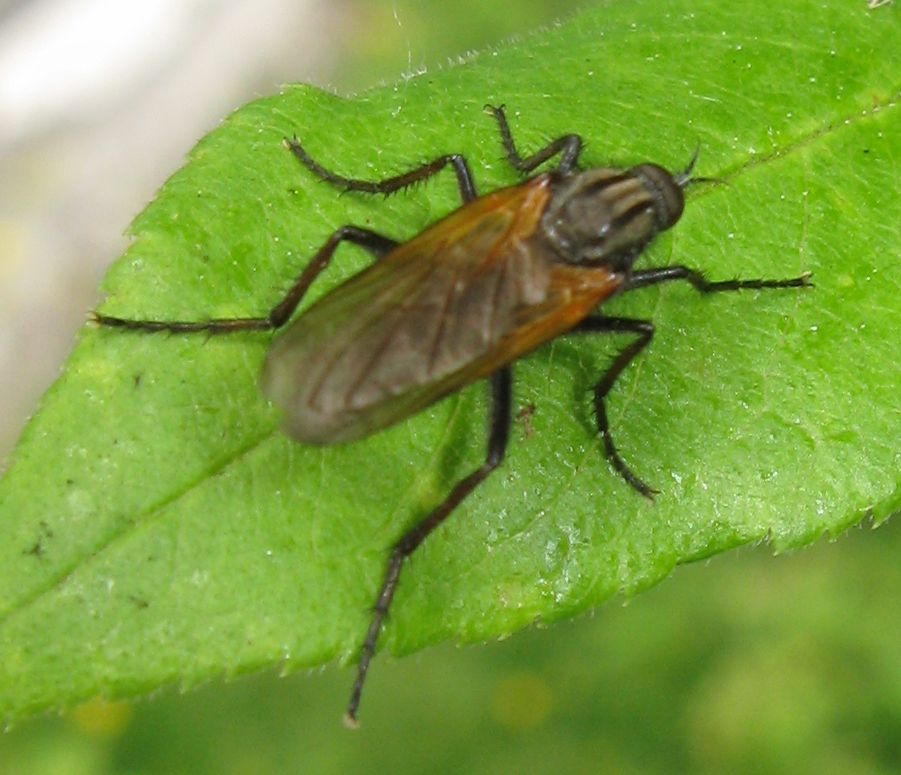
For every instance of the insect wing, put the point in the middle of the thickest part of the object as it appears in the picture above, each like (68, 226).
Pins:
(449, 306)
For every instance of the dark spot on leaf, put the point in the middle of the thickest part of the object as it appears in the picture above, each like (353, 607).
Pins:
(38, 547)
(524, 415)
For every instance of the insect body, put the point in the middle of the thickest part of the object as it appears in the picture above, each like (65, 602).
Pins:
(473, 292)
(460, 301)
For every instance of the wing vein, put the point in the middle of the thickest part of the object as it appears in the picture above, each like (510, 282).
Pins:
(362, 321)
(496, 292)
(442, 321)
(400, 318)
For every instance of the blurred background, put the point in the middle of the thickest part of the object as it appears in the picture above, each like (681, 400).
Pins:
(747, 663)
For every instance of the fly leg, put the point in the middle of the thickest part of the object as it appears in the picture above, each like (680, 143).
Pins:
(499, 431)
(644, 329)
(465, 181)
(645, 277)
(371, 241)
(568, 146)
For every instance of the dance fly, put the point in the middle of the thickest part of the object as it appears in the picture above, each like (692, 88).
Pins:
(461, 301)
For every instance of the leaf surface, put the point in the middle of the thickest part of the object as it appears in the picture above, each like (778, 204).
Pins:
(156, 527)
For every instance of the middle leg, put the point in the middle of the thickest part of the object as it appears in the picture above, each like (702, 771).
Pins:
(665, 274)
(644, 330)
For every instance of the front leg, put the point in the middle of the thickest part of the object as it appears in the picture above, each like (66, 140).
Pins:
(567, 146)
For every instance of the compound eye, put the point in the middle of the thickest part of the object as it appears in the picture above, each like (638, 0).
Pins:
(669, 201)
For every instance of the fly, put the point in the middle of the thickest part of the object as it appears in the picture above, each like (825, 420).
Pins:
(461, 301)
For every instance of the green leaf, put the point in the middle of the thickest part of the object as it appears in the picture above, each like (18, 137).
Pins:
(157, 528)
